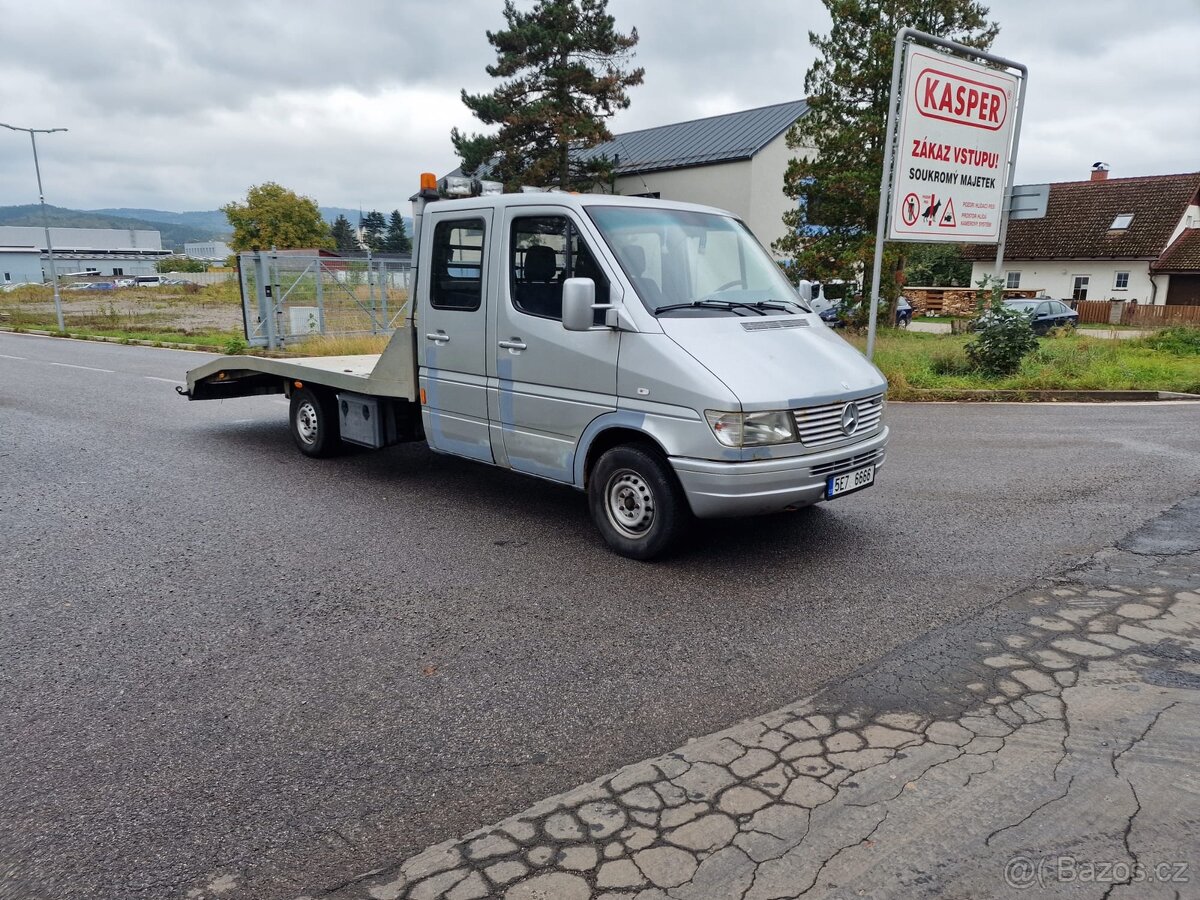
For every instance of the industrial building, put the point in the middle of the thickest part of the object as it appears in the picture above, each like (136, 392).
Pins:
(82, 252)
(207, 251)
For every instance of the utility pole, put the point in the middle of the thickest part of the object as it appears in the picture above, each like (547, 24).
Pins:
(45, 219)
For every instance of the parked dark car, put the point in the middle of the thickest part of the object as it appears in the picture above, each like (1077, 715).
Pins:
(836, 315)
(1045, 313)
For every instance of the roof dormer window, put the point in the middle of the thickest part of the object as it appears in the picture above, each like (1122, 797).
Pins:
(1121, 222)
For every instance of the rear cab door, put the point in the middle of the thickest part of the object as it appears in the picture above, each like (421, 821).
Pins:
(452, 330)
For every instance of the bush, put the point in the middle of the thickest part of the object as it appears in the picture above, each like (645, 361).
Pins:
(235, 346)
(1179, 340)
(1003, 338)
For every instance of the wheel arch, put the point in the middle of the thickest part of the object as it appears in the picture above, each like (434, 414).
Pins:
(610, 431)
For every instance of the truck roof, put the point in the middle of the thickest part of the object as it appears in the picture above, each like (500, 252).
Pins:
(562, 198)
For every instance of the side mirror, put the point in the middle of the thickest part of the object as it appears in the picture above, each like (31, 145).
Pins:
(579, 296)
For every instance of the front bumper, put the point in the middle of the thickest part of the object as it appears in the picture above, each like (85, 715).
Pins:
(717, 489)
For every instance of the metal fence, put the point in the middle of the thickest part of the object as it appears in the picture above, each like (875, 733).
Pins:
(290, 296)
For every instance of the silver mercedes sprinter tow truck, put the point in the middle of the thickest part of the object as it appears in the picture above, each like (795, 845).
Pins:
(649, 353)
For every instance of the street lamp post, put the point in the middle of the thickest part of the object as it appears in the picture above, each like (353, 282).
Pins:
(45, 219)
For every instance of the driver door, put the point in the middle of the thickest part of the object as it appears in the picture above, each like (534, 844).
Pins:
(550, 382)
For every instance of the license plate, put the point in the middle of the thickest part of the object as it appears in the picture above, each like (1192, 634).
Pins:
(836, 485)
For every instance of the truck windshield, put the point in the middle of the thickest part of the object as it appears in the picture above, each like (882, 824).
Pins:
(685, 263)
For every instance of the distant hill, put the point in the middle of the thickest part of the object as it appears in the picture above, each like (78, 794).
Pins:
(173, 236)
(176, 228)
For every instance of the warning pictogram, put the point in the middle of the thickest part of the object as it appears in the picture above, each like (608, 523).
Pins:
(947, 219)
(932, 204)
(910, 209)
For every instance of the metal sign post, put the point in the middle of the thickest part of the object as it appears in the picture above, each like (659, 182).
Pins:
(950, 150)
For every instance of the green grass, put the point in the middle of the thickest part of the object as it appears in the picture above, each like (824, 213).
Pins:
(215, 340)
(916, 362)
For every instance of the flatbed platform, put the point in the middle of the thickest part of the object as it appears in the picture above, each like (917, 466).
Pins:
(388, 374)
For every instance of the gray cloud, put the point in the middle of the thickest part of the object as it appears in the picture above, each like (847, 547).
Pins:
(175, 105)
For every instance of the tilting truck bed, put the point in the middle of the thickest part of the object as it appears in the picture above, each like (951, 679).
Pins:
(388, 374)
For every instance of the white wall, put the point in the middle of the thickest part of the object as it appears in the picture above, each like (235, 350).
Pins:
(21, 267)
(207, 250)
(768, 202)
(752, 189)
(1057, 277)
(724, 185)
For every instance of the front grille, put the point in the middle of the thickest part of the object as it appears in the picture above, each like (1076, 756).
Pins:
(821, 425)
(849, 464)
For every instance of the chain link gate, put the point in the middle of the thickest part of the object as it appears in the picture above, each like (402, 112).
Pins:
(289, 296)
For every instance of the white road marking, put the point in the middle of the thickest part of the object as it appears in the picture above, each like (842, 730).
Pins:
(6, 356)
(167, 380)
(89, 368)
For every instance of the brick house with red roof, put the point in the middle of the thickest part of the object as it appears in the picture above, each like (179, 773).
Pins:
(1107, 239)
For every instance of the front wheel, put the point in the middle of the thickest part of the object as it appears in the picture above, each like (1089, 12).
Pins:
(636, 502)
(314, 423)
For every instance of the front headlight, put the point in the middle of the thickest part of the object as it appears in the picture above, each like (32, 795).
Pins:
(752, 429)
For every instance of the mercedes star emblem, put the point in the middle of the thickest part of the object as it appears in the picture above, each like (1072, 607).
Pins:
(850, 419)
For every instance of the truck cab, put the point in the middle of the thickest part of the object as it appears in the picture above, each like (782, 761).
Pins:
(648, 353)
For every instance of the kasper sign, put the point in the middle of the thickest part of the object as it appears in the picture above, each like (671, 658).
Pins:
(952, 98)
(954, 138)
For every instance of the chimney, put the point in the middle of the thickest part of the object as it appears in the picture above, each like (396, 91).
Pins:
(1099, 171)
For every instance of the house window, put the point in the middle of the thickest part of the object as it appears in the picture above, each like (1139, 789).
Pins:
(1121, 281)
(7, 277)
(1080, 289)
(1121, 222)
(1014, 280)
(118, 271)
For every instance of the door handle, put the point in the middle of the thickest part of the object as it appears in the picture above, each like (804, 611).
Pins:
(439, 337)
(515, 344)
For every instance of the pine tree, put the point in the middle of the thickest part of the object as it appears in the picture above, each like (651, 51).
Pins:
(567, 71)
(832, 230)
(397, 239)
(373, 226)
(344, 237)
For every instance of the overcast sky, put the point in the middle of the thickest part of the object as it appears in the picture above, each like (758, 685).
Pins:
(180, 106)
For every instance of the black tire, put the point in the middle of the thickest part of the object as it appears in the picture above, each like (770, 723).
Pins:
(636, 503)
(313, 421)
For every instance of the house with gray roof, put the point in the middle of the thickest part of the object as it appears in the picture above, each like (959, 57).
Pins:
(734, 161)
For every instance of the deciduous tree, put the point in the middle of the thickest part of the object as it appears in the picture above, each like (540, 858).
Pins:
(567, 71)
(273, 216)
(831, 231)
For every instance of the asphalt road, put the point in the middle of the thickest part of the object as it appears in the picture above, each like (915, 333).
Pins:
(222, 663)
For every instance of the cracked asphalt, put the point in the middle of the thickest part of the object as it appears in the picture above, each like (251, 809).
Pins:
(227, 671)
(1051, 744)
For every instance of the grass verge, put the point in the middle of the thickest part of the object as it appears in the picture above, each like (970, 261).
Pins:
(915, 362)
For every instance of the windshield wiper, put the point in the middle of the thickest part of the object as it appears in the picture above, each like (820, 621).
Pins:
(712, 304)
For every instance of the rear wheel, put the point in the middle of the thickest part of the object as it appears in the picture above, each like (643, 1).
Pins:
(636, 502)
(314, 422)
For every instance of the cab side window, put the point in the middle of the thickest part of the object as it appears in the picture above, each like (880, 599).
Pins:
(545, 252)
(456, 280)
